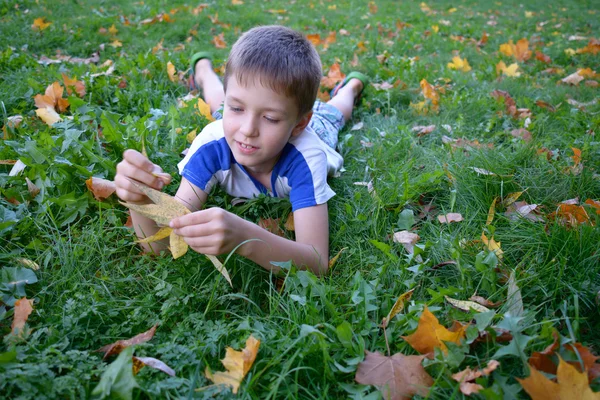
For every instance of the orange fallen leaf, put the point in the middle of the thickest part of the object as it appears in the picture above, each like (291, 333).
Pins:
(271, 225)
(429, 92)
(119, 345)
(570, 215)
(430, 334)
(23, 307)
(204, 109)
(219, 41)
(492, 245)
(571, 384)
(237, 364)
(334, 76)
(40, 24)
(72, 84)
(593, 47)
(289, 222)
(171, 71)
(100, 188)
(335, 258)
(314, 38)
(595, 204)
(398, 377)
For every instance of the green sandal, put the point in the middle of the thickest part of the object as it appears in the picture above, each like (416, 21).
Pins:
(352, 75)
(195, 58)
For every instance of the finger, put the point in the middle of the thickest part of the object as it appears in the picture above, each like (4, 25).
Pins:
(195, 218)
(200, 231)
(142, 162)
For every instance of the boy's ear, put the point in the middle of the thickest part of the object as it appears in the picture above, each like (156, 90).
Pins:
(302, 124)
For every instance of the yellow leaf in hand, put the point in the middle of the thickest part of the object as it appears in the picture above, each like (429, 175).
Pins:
(237, 363)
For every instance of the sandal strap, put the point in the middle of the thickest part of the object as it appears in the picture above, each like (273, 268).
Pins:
(197, 57)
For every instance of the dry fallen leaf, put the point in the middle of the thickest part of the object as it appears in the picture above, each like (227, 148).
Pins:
(398, 377)
(492, 245)
(510, 70)
(73, 85)
(171, 71)
(141, 362)
(397, 307)
(40, 24)
(430, 334)
(100, 188)
(118, 346)
(334, 259)
(407, 240)
(48, 115)
(485, 302)
(204, 109)
(570, 215)
(237, 364)
(23, 307)
(334, 76)
(271, 225)
(466, 305)
(571, 384)
(459, 64)
(423, 130)
(219, 41)
(467, 377)
(450, 217)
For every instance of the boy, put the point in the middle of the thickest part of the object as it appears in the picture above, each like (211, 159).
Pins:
(271, 139)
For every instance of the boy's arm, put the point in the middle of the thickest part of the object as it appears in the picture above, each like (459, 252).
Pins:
(311, 248)
(216, 231)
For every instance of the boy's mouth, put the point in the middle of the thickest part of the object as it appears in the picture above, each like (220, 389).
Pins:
(246, 148)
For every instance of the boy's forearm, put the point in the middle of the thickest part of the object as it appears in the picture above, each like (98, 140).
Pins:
(267, 247)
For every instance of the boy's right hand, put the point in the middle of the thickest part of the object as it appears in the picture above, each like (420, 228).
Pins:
(135, 166)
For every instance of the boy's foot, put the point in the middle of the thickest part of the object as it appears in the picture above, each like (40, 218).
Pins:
(355, 80)
(198, 63)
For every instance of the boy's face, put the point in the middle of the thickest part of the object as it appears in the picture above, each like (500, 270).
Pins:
(258, 122)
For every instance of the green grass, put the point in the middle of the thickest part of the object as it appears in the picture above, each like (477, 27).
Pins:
(94, 287)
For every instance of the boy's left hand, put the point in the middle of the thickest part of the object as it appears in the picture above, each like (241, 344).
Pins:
(212, 231)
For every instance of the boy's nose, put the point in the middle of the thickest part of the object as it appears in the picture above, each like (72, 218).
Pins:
(249, 127)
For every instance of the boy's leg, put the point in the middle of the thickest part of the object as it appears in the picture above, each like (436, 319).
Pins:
(344, 98)
(212, 87)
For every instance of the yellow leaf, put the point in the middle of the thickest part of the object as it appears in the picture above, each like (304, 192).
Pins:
(511, 70)
(571, 384)
(430, 334)
(511, 198)
(177, 245)
(237, 2)
(492, 245)
(429, 92)
(459, 64)
(48, 115)
(219, 266)
(335, 258)
(204, 109)
(40, 24)
(435, 28)
(491, 212)
(420, 107)
(171, 71)
(237, 363)
(113, 31)
(116, 43)
(191, 136)
(162, 233)
(398, 306)
(466, 305)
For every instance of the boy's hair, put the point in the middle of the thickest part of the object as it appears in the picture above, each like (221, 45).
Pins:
(281, 59)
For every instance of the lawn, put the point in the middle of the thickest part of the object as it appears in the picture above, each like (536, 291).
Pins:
(478, 134)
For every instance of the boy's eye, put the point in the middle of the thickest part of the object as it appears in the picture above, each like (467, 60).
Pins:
(235, 109)
(271, 120)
